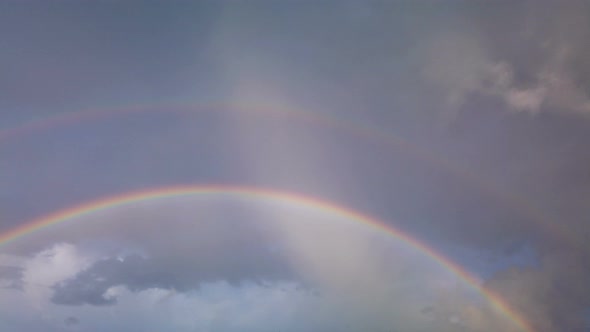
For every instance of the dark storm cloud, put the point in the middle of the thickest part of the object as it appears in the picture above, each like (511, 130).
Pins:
(137, 273)
(90, 286)
(536, 61)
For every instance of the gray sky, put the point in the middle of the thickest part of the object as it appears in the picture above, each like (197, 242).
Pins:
(463, 124)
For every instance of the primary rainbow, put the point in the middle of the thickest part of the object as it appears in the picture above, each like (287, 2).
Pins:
(312, 202)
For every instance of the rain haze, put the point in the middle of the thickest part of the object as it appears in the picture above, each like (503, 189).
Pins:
(294, 165)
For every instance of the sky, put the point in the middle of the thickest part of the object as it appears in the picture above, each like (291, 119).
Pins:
(461, 124)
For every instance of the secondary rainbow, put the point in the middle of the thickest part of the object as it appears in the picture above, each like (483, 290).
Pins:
(167, 192)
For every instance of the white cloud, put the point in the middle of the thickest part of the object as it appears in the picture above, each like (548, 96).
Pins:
(51, 266)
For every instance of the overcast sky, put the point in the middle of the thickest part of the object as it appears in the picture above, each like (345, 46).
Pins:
(463, 124)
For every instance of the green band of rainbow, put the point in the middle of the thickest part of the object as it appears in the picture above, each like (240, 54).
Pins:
(166, 192)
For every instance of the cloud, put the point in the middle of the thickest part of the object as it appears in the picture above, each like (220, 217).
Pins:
(59, 262)
(540, 67)
(136, 273)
